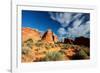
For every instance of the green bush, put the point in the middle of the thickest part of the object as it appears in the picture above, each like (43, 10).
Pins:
(54, 56)
(25, 50)
(29, 43)
(87, 50)
(82, 54)
(47, 46)
(39, 43)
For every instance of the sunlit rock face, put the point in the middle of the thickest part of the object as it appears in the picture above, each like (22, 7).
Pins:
(55, 38)
(29, 33)
(49, 37)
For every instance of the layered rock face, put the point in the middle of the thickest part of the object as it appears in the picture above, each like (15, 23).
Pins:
(29, 33)
(49, 37)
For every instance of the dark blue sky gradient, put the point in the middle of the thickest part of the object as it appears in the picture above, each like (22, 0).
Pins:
(39, 20)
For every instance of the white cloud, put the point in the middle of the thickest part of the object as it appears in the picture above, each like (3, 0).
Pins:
(63, 18)
(61, 31)
(78, 28)
(77, 16)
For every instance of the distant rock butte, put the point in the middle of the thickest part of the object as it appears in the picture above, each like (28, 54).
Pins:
(28, 33)
(49, 37)
(70, 41)
(78, 41)
(82, 41)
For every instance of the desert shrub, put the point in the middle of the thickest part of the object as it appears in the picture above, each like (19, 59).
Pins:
(56, 42)
(47, 46)
(86, 50)
(53, 56)
(62, 51)
(51, 45)
(66, 46)
(81, 55)
(25, 50)
(56, 45)
(29, 43)
(39, 43)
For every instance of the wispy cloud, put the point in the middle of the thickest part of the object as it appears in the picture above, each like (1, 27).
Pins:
(61, 31)
(63, 18)
(72, 19)
(79, 29)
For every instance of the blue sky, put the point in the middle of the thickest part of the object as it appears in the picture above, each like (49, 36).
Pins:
(63, 24)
